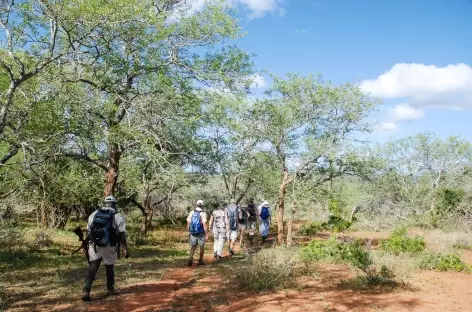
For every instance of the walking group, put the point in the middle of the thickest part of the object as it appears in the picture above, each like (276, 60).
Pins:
(227, 222)
(106, 232)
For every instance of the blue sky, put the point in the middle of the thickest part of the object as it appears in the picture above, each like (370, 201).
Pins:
(423, 48)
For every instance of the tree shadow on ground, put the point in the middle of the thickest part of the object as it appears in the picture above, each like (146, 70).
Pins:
(29, 287)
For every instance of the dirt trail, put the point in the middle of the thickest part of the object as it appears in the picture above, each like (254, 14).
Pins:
(200, 288)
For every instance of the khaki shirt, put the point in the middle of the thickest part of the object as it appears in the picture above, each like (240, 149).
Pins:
(203, 215)
(119, 223)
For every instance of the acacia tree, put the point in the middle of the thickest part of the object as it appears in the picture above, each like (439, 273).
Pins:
(142, 55)
(232, 145)
(440, 163)
(306, 123)
(36, 36)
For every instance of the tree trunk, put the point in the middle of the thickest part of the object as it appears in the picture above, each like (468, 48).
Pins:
(44, 217)
(290, 223)
(150, 214)
(280, 208)
(113, 166)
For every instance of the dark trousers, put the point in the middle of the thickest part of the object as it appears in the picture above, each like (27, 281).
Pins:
(92, 273)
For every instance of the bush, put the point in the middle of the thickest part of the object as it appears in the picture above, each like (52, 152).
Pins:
(268, 269)
(310, 229)
(399, 242)
(334, 223)
(11, 235)
(354, 253)
(443, 262)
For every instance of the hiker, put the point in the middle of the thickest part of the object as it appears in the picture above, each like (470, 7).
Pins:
(242, 223)
(197, 225)
(232, 212)
(219, 225)
(252, 219)
(106, 229)
(265, 215)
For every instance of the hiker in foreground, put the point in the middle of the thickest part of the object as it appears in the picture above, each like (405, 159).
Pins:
(232, 212)
(242, 223)
(106, 229)
(197, 225)
(252, 219)
(219, 225)
(264, 213)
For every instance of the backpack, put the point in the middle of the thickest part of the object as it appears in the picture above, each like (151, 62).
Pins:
(242, 216)
(196, 224)
(264, 213)
(102, 231)
(252, 212)
(233, 217)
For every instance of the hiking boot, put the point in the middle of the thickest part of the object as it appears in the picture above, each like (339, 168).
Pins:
(86, 295)
(231, 252)
(200, 262)
(112, 292)
(219, 258)
(190, 262)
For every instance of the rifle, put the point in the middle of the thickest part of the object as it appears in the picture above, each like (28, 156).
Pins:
(84, 241)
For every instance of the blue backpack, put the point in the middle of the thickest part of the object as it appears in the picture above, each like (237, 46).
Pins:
(196, 224)
(101, 231)
(264, 213)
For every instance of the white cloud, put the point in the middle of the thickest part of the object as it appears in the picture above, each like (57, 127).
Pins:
(386, 127)
(300, 30)
(258, 81)
(425, 85)
(406, 112)
(257, 8)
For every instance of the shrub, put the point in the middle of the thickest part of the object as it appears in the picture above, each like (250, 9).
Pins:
(354, 253)
(443, 262)
(399, 242)
(334, 223)
(268, 269)
(310, 229)
(11, 235)
(323, 249)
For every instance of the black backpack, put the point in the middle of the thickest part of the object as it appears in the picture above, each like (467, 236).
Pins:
(251, 209)
(102, 232)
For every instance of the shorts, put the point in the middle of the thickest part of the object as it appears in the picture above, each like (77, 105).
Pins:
(233, 235)
(198, 239)
(108, 254)
(242, 226)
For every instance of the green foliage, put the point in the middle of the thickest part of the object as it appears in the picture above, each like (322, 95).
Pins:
(268, 269)
(310, 229)
(11, 235)
(399, 242)
(334, 223)
(333, 249)
(443, 262)
(448, 199)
